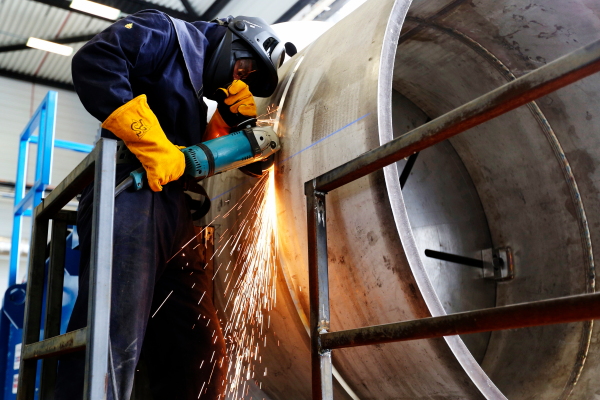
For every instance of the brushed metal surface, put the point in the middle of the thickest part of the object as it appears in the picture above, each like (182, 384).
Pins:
(520, 164)
(527, 180)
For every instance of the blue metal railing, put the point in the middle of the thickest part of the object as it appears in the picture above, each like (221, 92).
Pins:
(44, 121)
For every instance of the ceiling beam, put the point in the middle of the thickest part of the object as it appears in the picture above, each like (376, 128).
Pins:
(332, 9)
(65, 6)
(295, 9)
(133, 6)
(126, 6)
(65, 40)
(214, 10)
(190, 10)
(36, 79)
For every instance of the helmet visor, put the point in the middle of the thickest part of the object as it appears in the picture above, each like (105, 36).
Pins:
(243, 68)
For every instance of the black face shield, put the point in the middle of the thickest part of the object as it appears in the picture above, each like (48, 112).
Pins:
(249, 49)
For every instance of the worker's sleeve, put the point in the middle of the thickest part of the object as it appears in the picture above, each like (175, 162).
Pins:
(105, 67)
(213, 33)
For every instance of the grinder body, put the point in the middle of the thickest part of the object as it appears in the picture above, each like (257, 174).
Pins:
(235, 150)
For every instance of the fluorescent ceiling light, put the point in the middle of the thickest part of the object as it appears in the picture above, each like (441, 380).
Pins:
(96, 8)
(50, 46)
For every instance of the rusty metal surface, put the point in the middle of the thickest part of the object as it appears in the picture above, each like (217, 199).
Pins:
(62, 344)
(318, 279)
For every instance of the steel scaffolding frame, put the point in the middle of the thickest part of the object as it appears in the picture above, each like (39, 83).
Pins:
(99, 167)
(553, 76)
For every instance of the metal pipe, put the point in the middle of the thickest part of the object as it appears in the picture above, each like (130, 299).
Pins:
(62, 344)
(96, 371)
(69, 187)
(545, 312)
(391, 90)
(54, 295)
(322, 381)
(44, 120)
(410, 163)
(555, 75)
(68, 145)
(33, 304)
(453, 258)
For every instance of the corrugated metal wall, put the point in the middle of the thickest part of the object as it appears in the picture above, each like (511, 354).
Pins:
(18, 100)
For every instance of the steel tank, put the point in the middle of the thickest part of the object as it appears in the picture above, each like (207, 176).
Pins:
(526, 180)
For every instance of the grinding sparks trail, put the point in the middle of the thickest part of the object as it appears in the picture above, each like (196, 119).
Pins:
(253, 293)
(267, 118)
(250, 281)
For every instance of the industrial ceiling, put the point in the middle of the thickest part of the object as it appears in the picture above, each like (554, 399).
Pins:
(55, 21)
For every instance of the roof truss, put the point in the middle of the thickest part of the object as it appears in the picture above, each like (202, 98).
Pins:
(36, 79)
(128, 7)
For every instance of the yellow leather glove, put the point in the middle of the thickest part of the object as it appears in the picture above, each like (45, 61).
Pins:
(235, 104)
(237, 100)
(135, 123)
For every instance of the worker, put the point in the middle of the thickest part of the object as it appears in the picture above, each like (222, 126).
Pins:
(144, 78)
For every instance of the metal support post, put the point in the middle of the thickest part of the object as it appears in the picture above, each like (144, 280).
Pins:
(410, 163)
(98, 348)
(44, 120)
(43, 167)
(322, 381)
(33, 305)
(54, 294)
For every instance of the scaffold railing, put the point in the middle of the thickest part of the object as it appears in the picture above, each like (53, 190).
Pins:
(98, 167)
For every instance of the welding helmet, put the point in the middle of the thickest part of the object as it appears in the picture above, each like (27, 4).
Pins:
(250, 51)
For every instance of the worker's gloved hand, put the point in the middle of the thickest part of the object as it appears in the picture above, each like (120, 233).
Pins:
(235, 104)
(135, 123)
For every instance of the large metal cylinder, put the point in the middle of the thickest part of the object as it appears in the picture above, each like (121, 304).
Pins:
(526, 180)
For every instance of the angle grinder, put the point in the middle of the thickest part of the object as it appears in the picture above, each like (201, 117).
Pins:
(253, 144)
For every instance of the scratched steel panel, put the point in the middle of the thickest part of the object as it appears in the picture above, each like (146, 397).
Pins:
(336, 84)
(533, 172)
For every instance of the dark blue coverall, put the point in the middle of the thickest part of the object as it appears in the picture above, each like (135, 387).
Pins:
(182, 342)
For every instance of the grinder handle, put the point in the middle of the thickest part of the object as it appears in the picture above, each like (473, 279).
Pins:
(138, 178)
